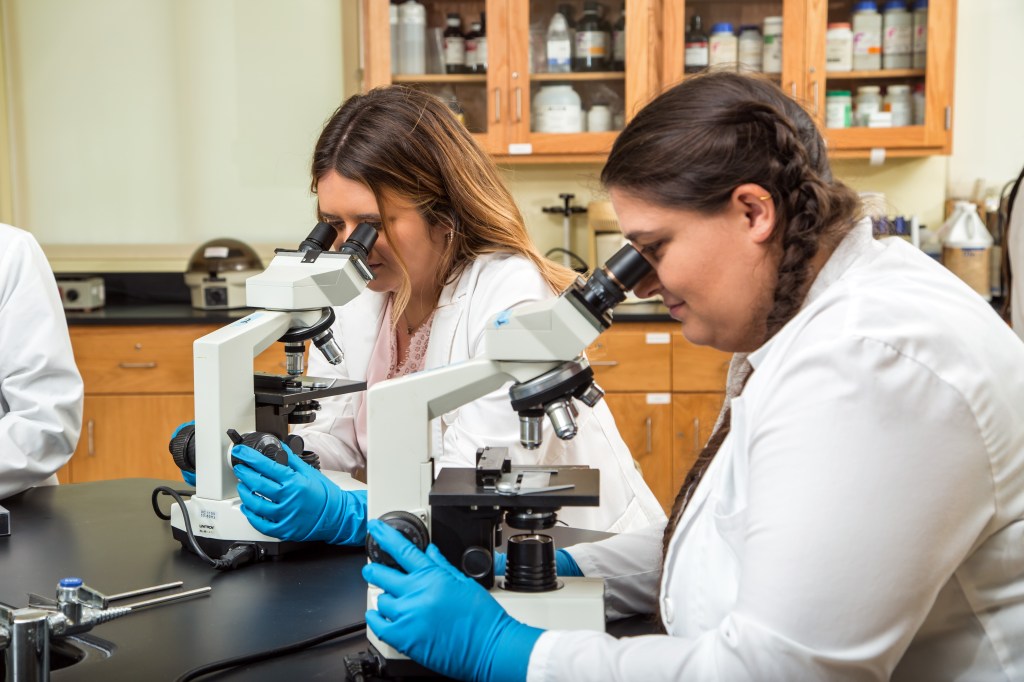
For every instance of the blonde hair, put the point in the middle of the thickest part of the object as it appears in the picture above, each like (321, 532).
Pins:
(403, 141)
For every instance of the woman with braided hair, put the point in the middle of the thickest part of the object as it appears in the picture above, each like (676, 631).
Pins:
(859, 512)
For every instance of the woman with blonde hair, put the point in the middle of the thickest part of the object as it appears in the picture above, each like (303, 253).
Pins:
(452, 252)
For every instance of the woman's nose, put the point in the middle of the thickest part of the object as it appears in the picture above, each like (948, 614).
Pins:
(648, 286)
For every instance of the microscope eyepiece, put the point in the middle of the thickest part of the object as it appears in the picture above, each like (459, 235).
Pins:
(607, 287)
(320, 239)
(361, 242)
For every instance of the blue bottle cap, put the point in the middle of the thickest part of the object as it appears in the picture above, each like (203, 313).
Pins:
(895, 4)
(865, 5)
(70, 582)
(724, 27)
(921, 4)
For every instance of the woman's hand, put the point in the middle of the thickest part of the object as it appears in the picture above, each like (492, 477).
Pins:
(443, 619)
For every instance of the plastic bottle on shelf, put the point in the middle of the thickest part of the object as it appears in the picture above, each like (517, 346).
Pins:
(897, 36)
(918, 99)
(839, 47)
(920, 58)
(619, 42)
(869, 101)
(454, 45)
(695, 57)
(771, 61)
(481, 45)
(412, 38)
(867, 36)
(567, 10)
(722, 47)
(838, 109)
(559, 47)
(591, 41)
(751, 48)
(557, 109)
(599, 118)
(898, 101)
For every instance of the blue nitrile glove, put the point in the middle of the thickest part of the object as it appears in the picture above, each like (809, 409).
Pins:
(188, 476)
(297, 502)
(443, 619)
(565, 565)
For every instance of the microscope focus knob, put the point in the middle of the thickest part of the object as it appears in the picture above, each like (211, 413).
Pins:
(183, 449)
(406, 523)
(477, 561)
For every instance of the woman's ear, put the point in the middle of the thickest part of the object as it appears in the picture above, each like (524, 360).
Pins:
(757, 206)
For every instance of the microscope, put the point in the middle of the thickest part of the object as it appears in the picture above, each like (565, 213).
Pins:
(295, 295)
(539, 347)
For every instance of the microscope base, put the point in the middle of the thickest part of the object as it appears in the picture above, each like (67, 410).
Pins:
(219, 524)
(578, 605)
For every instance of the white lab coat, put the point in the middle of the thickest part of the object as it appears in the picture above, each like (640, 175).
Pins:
(1015, 247)
(40, 387)
(863, 520)
(489, 285)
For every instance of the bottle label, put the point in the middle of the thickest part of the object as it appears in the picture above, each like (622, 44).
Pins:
(455, 51)
(559, 54)
(865, 43)
(471, 53)
(696, 54)
(557, 118)
(897, 40)
(591, 44)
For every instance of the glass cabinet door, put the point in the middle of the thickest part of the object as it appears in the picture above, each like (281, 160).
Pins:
(453, 49)
(899, 75)
(574, 73)
(752, 36)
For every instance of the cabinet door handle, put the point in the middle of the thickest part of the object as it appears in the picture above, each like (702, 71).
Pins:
(792, 89)
(137, 365)
(814, 95)
(519, 105)
(647, 429)
(497, 105)
(696, 436)
(90, 428)
(604, 363)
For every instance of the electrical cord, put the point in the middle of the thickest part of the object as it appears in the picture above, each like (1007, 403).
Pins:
(581, 266)
(238, 554)
(268, 654)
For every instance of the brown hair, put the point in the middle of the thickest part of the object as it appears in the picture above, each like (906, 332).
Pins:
(695, 143)
(407, 142)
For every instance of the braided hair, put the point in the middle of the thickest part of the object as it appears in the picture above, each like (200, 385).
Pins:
(694, 144)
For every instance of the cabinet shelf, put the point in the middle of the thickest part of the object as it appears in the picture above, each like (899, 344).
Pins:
(874, 74)
(579, 76)
(440, 78)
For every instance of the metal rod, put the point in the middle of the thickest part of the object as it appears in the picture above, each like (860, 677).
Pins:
(180, 596)
(145, 590)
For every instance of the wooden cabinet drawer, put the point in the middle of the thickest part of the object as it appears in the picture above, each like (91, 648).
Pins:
(628, 360)
(136, 359)
(644, 421)
(697, 368)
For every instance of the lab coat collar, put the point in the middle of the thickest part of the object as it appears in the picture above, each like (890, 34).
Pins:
(859, 242)
(450, 305)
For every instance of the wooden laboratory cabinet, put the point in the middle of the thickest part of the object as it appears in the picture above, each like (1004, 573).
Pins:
(804, 73)
(138, 388)
(665, 394)
(497, 104)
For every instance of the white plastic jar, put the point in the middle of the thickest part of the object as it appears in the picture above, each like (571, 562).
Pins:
(838, 109)
(867, 36)
(839, 47)
(751, 48)
(723, 48)
(869, 101)
(557, 109)
(599, 118)
(897, 35)
(412, 38)
(898, 102)
(771, 56)
(920, 50)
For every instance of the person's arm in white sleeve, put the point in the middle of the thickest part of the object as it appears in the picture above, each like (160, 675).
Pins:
(858, 513)
(332, 435)
(40, 387)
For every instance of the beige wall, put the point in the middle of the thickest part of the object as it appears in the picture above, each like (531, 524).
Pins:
(237, 91)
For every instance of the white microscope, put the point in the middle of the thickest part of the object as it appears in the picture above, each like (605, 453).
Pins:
(296, 294)
(539, 347)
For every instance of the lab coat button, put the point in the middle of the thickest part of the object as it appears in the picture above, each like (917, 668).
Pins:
(666, 609)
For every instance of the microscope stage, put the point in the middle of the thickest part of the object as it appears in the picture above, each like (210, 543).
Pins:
(457, 487)
(283, 389)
